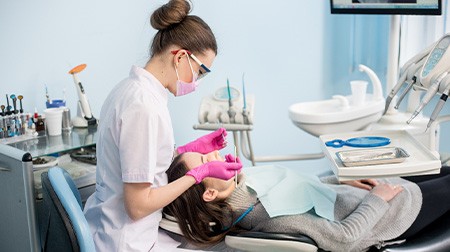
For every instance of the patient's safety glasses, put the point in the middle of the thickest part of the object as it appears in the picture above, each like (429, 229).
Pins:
(203, 71)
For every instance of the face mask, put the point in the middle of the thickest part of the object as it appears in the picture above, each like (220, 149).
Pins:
(184, 88)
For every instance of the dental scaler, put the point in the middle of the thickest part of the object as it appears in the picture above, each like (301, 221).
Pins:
(436, 67)
(84, 115)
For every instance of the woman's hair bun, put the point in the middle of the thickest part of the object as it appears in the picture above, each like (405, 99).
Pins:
(169, 14)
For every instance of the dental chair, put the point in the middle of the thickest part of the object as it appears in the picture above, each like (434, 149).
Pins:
(434, 238)
(63, 226)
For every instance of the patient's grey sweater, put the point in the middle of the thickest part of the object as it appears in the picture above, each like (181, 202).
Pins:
(362, 219)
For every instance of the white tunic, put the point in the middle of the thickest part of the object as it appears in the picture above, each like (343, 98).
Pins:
(135, 145)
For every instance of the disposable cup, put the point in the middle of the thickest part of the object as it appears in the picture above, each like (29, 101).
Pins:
(53, 121)
(359, 88)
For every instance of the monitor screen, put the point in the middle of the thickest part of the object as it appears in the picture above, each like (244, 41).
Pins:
(403, 7)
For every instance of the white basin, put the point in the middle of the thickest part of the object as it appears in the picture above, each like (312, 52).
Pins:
(335, 115)
(339, 114)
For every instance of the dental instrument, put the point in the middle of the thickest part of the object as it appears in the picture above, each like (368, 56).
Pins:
(84, 115)
(46, 95)
(8, 108)
(244, 108)
(3, 110)
(405, 91)
(14, 100)
(439, 106)
(432, 90)
(231, 112)
(235, 172)
(20, 97)
(434, 69)
(409, 67)
(411, 79)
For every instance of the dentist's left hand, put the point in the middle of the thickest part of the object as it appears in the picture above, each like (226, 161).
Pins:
(216, 169)
(207, 143)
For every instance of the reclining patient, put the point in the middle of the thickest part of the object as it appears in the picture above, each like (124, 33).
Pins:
(363, 213)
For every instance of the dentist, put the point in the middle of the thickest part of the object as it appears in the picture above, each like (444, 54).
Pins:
(136, 142)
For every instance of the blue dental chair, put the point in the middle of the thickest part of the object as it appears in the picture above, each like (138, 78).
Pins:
(63, 226)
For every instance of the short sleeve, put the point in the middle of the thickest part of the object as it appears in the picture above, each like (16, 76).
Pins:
(138, 144)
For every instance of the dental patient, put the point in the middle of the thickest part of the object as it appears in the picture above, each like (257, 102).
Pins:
(339, 217)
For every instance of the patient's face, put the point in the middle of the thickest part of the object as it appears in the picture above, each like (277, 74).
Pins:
(193, 159)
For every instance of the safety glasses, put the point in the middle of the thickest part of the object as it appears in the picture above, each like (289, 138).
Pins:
(203, 71)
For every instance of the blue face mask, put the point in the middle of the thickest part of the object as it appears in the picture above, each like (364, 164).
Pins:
(184, 88)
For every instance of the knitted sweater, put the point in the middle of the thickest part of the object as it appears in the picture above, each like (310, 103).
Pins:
(362, 219)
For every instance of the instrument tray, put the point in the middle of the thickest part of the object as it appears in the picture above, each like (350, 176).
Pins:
(421, 160)
(373, 156)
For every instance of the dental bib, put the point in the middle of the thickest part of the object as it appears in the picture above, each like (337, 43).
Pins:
(284, 192)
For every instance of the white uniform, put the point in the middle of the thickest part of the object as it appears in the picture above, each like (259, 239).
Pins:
(135, 145)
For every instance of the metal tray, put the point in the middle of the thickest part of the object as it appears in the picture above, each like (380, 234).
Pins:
(375, 156)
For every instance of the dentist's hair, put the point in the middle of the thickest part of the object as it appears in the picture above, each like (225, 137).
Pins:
(193, 214)
(176, 27)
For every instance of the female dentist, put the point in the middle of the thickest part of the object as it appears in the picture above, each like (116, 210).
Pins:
(136, 143)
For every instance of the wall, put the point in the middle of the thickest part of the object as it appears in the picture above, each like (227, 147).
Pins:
(290, 52)
(281, 55)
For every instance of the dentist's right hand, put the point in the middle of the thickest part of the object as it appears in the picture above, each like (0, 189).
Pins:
(216, 169)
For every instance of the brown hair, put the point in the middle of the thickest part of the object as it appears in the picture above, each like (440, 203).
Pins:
(193, 214)
(176, 27)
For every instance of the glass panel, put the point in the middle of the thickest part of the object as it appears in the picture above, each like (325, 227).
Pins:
(47, 145)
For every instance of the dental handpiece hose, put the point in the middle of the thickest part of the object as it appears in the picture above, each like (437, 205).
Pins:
(432, 90)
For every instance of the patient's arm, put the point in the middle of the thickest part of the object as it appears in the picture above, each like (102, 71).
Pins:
(366, 184)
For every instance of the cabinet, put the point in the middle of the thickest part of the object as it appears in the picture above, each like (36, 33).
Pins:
(19, 229)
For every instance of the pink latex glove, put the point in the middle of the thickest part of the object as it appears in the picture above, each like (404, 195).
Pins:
(232, 159)
(216, 169)
(207, 143)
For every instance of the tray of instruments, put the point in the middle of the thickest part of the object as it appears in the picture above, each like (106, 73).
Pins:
(403, 156)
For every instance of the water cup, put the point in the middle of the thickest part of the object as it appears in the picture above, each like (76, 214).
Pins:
(53, 121)
(359, 88)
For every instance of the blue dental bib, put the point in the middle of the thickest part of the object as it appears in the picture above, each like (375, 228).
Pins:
(285, 192)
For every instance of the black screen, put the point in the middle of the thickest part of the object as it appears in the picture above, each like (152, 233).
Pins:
(391, 7)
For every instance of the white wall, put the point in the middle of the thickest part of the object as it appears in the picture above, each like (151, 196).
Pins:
(278, 46)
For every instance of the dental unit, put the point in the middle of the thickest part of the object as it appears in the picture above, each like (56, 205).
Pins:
(414, 63)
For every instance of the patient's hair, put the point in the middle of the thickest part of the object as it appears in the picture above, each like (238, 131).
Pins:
(193, 214)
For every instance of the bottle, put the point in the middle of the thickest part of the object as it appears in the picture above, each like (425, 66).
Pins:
(40, 125)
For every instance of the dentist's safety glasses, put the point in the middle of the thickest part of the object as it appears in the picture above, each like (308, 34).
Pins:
(203, 71)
